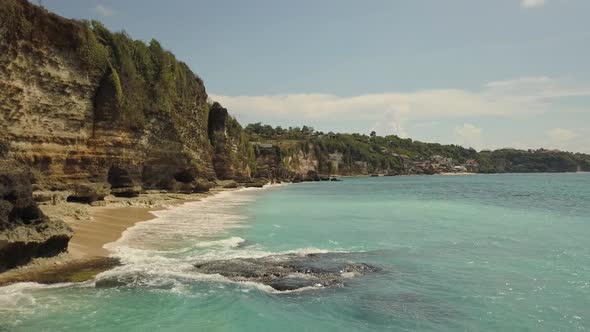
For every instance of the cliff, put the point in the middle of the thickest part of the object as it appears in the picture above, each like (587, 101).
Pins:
(532, 161)
(25, 232)
(95, 113)
(86, 113)
(304, 151)
(233, 157)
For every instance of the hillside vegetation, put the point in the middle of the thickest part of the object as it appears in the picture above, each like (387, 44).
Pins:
(390, 154)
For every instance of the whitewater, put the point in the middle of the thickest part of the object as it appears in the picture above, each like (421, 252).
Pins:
(501, 252)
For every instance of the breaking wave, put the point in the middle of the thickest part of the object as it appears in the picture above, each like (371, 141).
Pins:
(161, 253)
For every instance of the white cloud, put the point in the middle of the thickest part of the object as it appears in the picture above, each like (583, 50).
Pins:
(532, 3)
(468, 135)
(561, 135)
(519, 105)
(391, 122)
(391, 112)
(103, 10)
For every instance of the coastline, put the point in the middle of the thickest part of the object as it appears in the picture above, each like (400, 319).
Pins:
(94, 227)
(107, 225)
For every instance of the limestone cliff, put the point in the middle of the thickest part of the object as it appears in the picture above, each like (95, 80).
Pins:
(232, 153)
(95, 113)
(86, 113)
(288, 159)
(25, 232)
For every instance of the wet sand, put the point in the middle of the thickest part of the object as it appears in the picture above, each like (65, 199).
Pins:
(106, 226)
(86, 256)
(95, 227)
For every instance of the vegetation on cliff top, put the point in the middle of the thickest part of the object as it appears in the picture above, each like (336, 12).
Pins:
(135, 78)
(230, 142)
(380, 153)
(387, 153)
(532, 161)
(142, 77)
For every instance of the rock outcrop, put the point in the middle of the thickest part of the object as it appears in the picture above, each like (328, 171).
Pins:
(25, 232)
(94, 113)
(232, 153)
(286, 272)
(86, 113)
(290, 271)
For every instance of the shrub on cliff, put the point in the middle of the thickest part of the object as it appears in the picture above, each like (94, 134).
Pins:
(150, 78)
(527, 161)
(13, 22)
(92, 54)
(109, 96)
(142, 78)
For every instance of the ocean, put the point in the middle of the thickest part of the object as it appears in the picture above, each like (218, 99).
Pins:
(451, 253)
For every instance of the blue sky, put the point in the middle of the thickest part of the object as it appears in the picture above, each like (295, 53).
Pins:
(486, 73)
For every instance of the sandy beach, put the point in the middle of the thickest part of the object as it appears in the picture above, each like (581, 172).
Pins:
(106, 225)
(86, 256)
(94, 226)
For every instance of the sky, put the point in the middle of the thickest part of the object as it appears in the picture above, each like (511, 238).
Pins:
(480, 73)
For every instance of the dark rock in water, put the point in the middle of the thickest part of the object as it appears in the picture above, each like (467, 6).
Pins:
(298, 178)
(335, 179)
(78, 270)
(312, 176)
(291, 283)
(290, 271)
(112, 282)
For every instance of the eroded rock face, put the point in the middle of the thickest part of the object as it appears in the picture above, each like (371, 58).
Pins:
(122, 181)
(47, 115)
(53, 115)
(291, 271)
(25, 232)
(230, 147)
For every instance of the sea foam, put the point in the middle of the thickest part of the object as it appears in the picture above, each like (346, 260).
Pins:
(161, 253)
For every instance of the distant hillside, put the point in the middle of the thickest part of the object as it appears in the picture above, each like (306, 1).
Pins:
(349, 154)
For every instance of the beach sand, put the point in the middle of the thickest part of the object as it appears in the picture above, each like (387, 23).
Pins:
(106, 226)
(93, 228)
(86, 256)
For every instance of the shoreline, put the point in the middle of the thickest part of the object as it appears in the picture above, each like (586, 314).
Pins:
(107, 225)
(94, 227)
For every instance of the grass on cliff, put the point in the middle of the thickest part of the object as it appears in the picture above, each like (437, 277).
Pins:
(135, 77)
(146, 77)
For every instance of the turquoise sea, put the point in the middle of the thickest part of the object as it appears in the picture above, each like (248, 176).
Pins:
(456, 253)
